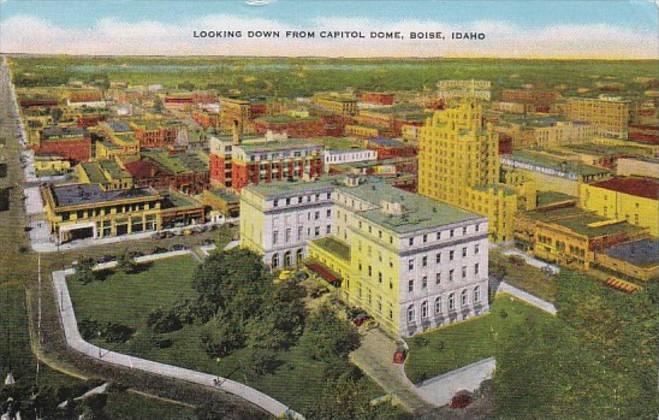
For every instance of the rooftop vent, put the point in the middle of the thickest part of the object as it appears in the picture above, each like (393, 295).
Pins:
(393, 208)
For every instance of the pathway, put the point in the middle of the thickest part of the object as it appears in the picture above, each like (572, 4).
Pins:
(75, 341)
(374, 357)
(527, 297)
(440, 389)
(534, 262)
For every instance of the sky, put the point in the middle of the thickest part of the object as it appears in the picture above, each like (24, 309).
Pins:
(528, 29)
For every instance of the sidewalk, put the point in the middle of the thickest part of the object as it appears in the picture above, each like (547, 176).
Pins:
(75, 341)
(527, 297)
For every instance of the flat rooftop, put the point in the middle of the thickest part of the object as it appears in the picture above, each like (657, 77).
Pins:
(640, 187)
(547, 161)
(642, 253)
(334, 246)
(419, 212)
(79, 194)
(178, 163)
(582, 222)
(282, 189)
(279, 145)
(547, 198)
(58, 131)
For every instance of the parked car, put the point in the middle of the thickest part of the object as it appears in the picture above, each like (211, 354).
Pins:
(178, 247)
(135, 254)
(207, 242)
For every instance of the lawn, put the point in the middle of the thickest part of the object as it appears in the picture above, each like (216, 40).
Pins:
(527, 277)
(457, 345)
(128, 299)
(298, 381)
(130, 406)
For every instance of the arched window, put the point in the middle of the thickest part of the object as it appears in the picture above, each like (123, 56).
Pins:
(451, 301)
(410, 314)
(438, 305)
(424, 309)
(477, 294)
(463, 298)
(287, 259)
(275, 260)
(299, 256)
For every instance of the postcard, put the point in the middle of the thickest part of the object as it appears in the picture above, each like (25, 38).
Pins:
(253, 209)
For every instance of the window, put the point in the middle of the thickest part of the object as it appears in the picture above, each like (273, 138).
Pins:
(317, 197)
(463, 298)
(425, 238)
(287, 235)
(478, 227)
(424, 261)
(464, 271)
(370, 271)
(288, 201)
(316, 215)
(329, 195)
(275, 237)
(464, 230)
(410, 314)
(410, 264)
(299, 233)
(451, 302)
(438, 258)
(410, 286)
(275, 260)
(439, 235)
(450, 275)
(476, 268)
(464, 251)
(451, 254)
(391, 314)
(275, 203)
(477, 294)
(451, 233)
(424, 282)
(438, 305)
(438, 278)
(329, 212)
(328, 228)
(380, 276)
(317, 231)
(424, 309)
(477, 249)
(411, 241)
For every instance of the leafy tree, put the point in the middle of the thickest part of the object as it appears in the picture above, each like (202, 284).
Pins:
(326, 336)
(262, 361)
(161, 321)
(84, 271)
(89, 328)
(56, 114)
(222, 335)
(116, 333)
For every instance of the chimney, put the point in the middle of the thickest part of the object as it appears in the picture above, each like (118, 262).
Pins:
(235, 133)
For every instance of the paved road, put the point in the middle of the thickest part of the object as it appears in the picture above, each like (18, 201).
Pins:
(75, 341)
(527, 297)
(534, 262)
(440, 389)
(374, 357)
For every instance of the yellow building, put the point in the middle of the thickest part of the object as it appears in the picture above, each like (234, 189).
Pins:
(637, 260)
(45, 165)
(106, 173)
(361, 131)
(342, 104)
(570, 236)
(459, 164)
(633, 199)
(410, 262)
(610, 116)
(118, 141)
(76, 211)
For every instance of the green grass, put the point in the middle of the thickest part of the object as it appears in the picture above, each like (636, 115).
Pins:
(298, 381)
(527, 278)
(128, 299)
(454, 346)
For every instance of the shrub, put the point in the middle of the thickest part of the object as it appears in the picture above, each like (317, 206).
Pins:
(163, 322)
(420, 341)
(116, 333)
(89, 328)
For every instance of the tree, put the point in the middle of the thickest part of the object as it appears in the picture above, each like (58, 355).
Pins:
(116, 333)
(222, 335)
(84, 271)
(327, 337)
(56, 114)
(161, 321)
(126, 264)
(262, 361)
(89, 328)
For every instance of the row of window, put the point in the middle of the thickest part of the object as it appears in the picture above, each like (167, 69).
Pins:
(283, 155)
(438, 277)
(300, 229)
(438, 304)
(299, 200)
(438, 257)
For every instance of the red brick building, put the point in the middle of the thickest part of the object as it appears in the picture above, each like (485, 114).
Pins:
(377, 98)
(155, 134)
(71, 143)
(540, 99)
(390, 148)
(646, 133)
(300, 127)
(206, 119)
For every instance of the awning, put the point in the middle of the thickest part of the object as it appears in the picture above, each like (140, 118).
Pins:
(323, 272)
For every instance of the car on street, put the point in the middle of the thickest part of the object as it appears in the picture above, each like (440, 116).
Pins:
(106, 259)
(178, 247)
(159, 250)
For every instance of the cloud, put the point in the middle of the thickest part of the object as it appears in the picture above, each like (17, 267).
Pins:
(29, 34)
(259, 2)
